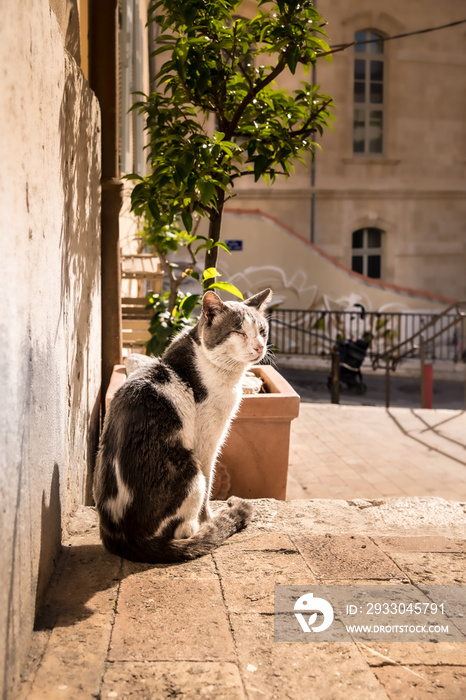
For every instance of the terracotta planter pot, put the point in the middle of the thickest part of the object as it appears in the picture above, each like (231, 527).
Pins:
(254, 459)
(116, 380)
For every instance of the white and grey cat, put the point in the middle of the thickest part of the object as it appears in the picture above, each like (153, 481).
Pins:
(163, 432)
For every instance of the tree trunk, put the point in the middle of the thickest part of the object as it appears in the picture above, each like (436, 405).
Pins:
(174, 283)
(215, 224)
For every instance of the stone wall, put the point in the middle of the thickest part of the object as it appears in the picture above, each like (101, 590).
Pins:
(50, 322)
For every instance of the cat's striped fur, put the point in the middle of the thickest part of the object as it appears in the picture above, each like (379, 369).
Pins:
(162, 434)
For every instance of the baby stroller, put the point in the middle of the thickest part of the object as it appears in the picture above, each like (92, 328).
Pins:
(352, 354)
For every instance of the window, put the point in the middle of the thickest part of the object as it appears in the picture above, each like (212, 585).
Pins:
(368, 93)
(132, 154)
(367, 252)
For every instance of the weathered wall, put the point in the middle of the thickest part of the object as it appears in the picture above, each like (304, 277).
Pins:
(50, 321)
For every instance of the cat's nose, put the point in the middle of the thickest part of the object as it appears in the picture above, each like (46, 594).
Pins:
(258, 347)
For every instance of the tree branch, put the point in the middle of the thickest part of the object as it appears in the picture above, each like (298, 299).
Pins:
(251, 172)
(343, 47)
(174, 282)
(305, 129)
(279, 68)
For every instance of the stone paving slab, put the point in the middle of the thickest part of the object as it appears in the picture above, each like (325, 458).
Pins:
(429, 568)
(420, 544)
(423, 682)
(249, 587)
(414, 517)
(350, 557)
(370, 452)
(113, 629)
(167, 679)
(333, 670)
(169, 619)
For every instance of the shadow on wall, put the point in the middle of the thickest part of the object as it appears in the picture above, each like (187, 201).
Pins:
(80, 279)
(50, 535)
(67, 14)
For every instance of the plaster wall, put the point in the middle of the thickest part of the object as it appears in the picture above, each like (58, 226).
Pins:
(50, 322)
(300, 274)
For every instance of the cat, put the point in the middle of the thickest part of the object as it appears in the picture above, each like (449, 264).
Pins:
(163, 431)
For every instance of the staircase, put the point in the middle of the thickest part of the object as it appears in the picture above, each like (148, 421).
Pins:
(139, 274)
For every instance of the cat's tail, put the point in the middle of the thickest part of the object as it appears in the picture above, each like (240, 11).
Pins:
(162, 550)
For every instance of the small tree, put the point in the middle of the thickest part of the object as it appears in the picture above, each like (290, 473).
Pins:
(214, 69)
(217, 115)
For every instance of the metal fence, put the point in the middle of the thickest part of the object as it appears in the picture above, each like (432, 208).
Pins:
(315, 332)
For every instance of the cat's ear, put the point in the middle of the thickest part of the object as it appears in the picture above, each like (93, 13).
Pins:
(259, 301)
(212, 305)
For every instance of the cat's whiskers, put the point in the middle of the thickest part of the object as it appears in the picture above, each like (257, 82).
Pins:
(269, 357)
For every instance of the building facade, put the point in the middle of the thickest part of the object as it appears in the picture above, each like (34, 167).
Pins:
(386, 197)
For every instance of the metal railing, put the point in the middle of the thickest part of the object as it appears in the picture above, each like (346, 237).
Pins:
(395, 336)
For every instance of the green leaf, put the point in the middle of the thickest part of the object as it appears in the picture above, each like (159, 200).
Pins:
(210, 273)
(260, 164)
(188, 304)
(200, 247)
(187, 220)
(293, 58)
(221, 244)
(161, 49)
(154, 210)
(207, 191)
(227, 287)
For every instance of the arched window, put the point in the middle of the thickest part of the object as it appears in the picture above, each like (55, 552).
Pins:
(366, 253)
(368, 93)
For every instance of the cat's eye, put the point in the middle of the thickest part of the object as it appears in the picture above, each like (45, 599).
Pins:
(240, 332)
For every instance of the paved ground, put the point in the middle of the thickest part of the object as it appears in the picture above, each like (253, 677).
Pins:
(111, 629)
(364, 452)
